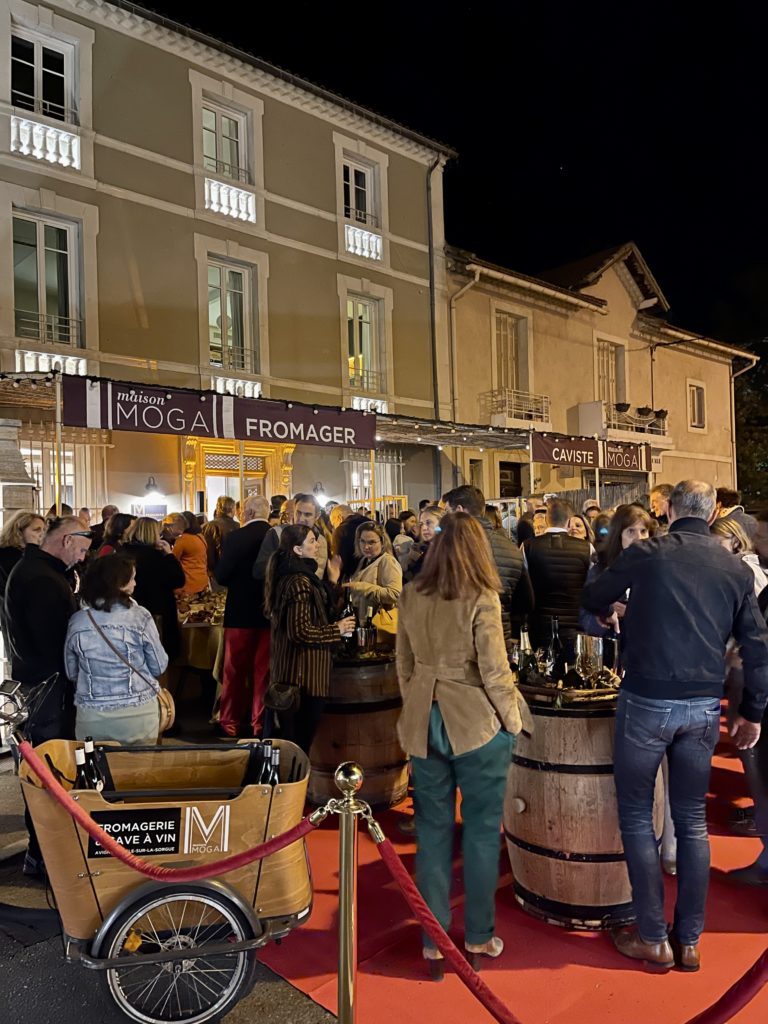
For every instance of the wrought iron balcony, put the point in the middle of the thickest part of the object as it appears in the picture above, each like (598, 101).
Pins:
(227, 169)
(509, 404)
(48, 327)
(642, 420)
(234, 358)
(371, 381)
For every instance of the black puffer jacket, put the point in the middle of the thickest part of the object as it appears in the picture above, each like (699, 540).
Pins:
(517, 597)
(558, 567)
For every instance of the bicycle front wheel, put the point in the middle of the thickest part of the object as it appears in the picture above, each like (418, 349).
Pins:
(197, 989)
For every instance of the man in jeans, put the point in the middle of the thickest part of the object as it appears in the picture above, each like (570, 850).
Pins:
(687, 597)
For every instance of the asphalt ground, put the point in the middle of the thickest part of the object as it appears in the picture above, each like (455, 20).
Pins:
(38, 986)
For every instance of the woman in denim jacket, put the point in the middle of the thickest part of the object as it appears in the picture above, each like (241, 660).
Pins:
(114, 654)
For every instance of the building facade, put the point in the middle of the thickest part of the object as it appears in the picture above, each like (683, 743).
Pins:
(585, 354)
(175, 211)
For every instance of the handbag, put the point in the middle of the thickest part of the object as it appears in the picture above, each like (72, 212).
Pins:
(165, 702)
(385, 620)
(284, 697)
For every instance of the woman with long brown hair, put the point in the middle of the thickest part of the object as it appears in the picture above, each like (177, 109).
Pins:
(461, 714)
(300, 609)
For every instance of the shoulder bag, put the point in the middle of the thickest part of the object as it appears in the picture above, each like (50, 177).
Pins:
(165, 701)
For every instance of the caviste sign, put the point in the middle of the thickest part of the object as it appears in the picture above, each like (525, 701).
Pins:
(580, 452)
(115, 405)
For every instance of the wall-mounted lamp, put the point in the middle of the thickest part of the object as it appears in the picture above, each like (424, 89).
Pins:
(152, 491)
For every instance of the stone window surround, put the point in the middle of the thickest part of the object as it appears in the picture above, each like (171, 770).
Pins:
(378, 161)
(364, 288)
(42, 21)
(691, 382)
(622, 368)
(258, 262)
(525, 350)
(224, 94)
(41, 202)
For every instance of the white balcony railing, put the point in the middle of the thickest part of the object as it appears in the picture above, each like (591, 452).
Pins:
(48, 327)
(230, 200)
(363, 243)
(367, 380)
(44, 362)
(237, 387)
(45, 142)
(515, 405)
(639, 421)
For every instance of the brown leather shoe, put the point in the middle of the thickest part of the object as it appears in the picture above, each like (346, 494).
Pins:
(657, 955)
(687, 958)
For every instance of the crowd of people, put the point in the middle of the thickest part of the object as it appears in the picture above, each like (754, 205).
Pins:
(679, 578)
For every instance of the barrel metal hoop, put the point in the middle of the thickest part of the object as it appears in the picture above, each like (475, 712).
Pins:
(610, 915)
(566, 769)
(339, 707)
(583, 711)
(573, 858)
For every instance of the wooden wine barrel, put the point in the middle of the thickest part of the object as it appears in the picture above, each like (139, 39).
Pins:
(359, 724)
(561, 820)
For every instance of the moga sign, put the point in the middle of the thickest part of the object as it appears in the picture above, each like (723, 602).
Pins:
(634, 458)
(206, 835)
(117, 405)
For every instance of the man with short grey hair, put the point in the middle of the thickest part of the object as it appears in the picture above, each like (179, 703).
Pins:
(688, 595)
(246, 628)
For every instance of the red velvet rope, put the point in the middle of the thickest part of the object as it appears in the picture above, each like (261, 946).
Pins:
(738, 995)
(428, 922)
(210, 869)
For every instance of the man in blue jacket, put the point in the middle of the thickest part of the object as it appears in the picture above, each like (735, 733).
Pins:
(688, 596)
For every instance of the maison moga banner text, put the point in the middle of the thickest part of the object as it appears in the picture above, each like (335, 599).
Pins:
(115, 405)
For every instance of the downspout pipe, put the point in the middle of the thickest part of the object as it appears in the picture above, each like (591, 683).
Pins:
(436, 455)
(754, 361)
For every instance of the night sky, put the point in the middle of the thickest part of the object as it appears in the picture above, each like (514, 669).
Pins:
(578, 127)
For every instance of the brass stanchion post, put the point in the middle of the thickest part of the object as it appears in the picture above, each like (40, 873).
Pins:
(349, 779)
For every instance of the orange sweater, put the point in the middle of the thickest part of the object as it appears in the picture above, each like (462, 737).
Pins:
(192, 552)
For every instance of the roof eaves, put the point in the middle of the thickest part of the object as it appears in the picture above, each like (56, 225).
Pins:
(287, 76)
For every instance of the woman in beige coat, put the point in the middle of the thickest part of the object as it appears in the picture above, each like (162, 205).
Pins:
(378, 579)
(461, 714)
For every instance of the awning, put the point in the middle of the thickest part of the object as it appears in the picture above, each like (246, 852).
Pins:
(439, 434)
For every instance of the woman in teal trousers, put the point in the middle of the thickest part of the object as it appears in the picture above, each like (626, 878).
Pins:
(461, 713)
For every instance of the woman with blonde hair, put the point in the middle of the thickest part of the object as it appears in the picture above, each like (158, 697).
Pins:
(430, 518)
(20, 529)
(461, 713)
(158, 574)
(735, 539)
(378, 579)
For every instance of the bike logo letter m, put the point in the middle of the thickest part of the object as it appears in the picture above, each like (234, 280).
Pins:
(206, 837)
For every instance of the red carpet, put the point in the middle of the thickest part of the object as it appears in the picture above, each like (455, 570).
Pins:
(546, 975)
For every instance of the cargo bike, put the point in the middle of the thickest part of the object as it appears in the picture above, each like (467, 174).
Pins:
(168, 951)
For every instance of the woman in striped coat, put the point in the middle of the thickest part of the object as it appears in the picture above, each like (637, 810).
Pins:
(300, 609)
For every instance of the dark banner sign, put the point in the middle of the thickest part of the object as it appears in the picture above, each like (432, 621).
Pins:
(114, 405)
(579, 452)
(632, 458)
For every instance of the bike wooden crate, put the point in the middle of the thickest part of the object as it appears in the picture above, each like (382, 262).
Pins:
(187, 826)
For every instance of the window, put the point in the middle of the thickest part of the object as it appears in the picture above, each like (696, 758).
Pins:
(44, 280)
(359, 199)
(230, 319)
(507, 366)
(42, 76)
(363, 344)
(610, 372)
(697, 413)
(224, 142)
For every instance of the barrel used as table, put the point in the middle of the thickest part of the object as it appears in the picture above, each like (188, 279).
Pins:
(561, 820)
(359, 724)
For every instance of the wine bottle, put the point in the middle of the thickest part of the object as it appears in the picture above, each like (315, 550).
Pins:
(348, 639)
(82, 779)
(554, 657)
(528, 666)
(91, 768)
(266, 763)
(369, 617)
(274, 776)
